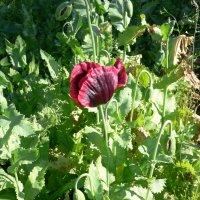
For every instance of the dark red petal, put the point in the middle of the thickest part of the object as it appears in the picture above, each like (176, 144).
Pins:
(122, 76)
(118, 64)
(77, 78)
(99, 86)
(81, 70)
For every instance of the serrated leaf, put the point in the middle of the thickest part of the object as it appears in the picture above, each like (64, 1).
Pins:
(6, 180)
(3, 80)
(21, 157)
(17, 52)
(96, 138)
(127, 192)
(118, 11)
(24, 128)
(157, 186)
(35, 182)
(125, 101)
(93, 184)
(130, 34)
(9, 181)
(52, 65)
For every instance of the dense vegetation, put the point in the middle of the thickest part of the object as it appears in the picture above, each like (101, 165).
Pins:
(142, 144)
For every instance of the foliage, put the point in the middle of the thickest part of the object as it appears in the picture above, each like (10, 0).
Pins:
(48, 142)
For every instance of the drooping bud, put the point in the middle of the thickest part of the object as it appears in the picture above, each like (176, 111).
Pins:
(63, 11)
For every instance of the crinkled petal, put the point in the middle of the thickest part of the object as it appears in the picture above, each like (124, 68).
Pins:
(99, 86)
(81, 70)
(77, 78)
(122, 76)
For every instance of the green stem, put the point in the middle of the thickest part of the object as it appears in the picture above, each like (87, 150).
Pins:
(97, 116)
(164, 103)
(78, 179)
(167, 54)
(135, 90)
(117, 109)
(91, 31)
(17, 182)
(124, 53)
(153, 160)
(107, 145)
(125, 26)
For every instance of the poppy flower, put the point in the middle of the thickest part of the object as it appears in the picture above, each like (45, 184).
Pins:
(93, 84)
(122, 76)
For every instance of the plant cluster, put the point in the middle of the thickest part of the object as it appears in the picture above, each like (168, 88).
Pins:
(99, 100)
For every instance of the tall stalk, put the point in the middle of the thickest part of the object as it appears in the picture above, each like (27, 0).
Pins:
(104, 130)
(91, 31)
(153, 159)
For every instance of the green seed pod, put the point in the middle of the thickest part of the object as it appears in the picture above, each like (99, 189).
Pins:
(149, 93)
(63, 11)
(171, 144)
(78, 195)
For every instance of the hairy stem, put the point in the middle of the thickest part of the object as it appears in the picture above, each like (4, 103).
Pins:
(104, 121)
(153, 160)
(135, 90)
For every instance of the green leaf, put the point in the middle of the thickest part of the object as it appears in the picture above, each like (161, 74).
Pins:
(125, 101)
(4, 62)
(167, 29)
(79, 7)
(157, 186)
(93, 183)
(35, 182)
(33, 67)
(127, 192)
(131, 84)
(10, 182)
(17, 52)
(158, 97)
(120, 13)
(52, 65)
(6, 180)
(3, 102)
(3, 80)
(152, 117)
(22, 157)
(7, 194)
(95, 138)
(130, 34)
